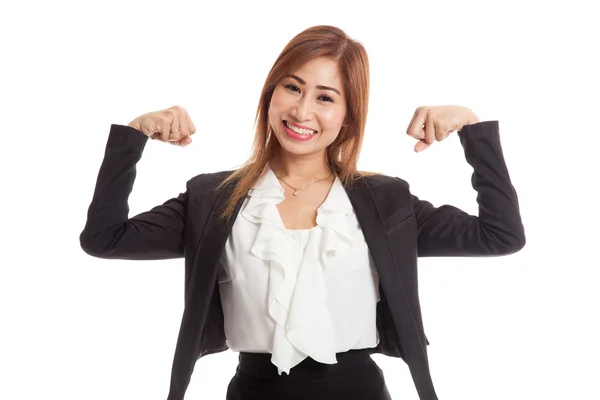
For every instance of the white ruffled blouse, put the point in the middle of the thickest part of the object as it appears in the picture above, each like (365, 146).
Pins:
(297, 293)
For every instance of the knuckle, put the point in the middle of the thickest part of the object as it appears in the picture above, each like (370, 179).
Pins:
(165, 118)
(178, 109)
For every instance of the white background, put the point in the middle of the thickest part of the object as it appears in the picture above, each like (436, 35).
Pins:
(523, 326)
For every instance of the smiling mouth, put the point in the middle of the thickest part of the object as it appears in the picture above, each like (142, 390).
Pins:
(300, 131)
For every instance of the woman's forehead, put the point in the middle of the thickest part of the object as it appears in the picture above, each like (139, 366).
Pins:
(319, 71)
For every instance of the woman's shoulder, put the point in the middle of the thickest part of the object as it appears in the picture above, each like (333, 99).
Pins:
(390, 192)
(208, 180)
(376, 179)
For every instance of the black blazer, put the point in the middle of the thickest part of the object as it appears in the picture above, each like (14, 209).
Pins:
(398, 227)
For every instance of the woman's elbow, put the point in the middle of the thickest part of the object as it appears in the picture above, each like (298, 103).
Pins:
(509, 243)
(92, 246)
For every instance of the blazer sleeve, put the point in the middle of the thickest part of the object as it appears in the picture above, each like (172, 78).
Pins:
(109, 233)
(498, 230)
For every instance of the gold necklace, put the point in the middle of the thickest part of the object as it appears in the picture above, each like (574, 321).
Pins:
(296, 189)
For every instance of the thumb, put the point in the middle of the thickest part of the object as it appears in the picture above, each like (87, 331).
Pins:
(421, 145)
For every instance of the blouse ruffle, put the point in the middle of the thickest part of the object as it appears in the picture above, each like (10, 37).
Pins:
(297, 294)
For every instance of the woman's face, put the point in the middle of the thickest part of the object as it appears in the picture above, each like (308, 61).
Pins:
(308, 108)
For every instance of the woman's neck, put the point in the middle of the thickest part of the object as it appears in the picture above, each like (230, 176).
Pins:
(300, 170)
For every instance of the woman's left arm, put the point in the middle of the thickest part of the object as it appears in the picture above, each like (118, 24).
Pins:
(447, 231)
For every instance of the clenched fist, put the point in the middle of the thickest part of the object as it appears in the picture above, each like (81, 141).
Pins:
(172, 125)
(433, 123)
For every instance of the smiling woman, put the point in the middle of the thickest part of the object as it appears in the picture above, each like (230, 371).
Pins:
(306, 100)
(299, 262)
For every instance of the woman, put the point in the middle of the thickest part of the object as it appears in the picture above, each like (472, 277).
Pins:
(296, 260)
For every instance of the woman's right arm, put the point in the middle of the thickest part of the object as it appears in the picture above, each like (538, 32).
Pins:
(109, 232)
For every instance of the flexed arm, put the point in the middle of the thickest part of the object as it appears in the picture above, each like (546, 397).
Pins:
(155, 234)
(447, 230)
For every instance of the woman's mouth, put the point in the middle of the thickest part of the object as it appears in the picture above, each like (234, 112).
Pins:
(297, 133)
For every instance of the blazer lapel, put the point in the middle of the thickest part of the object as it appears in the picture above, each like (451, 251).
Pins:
(216, 233)
(387, 263)
(373, 230)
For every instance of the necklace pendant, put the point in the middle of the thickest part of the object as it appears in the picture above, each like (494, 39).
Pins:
(296, 193)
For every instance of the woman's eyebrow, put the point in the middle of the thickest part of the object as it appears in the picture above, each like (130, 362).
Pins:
(321, 87)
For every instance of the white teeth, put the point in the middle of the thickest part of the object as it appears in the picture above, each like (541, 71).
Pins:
(300, 130)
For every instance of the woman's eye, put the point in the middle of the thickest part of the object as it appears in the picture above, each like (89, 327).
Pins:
(292, 87)
(327, 98)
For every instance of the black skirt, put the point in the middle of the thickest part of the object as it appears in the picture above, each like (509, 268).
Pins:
(354, 377)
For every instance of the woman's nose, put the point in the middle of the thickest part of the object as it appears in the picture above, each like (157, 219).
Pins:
(303, 109)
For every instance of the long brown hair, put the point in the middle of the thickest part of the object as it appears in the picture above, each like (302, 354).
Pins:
(342, 155)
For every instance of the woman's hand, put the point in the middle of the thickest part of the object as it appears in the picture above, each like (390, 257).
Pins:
(172, 125)
(431, 123)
